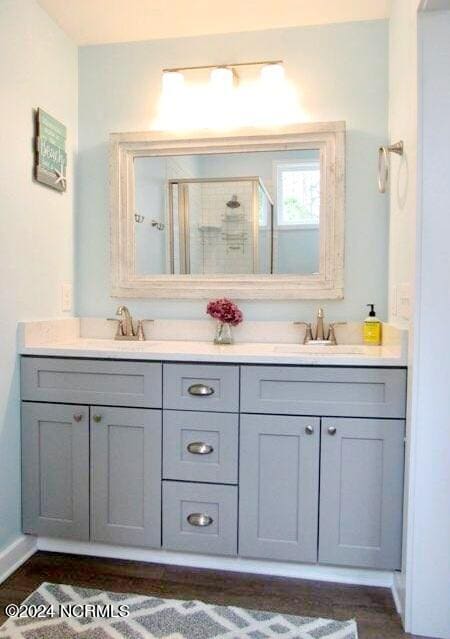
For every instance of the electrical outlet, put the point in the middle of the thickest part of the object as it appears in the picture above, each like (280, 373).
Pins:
(404, 301)
(394, 301)
(66, 296)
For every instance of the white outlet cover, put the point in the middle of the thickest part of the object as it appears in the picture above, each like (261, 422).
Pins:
(394, 305)
(404, 301)
(66, 296)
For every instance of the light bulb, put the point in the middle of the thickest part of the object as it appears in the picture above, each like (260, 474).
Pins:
(172, 81)
(222, 78)
(272, 73)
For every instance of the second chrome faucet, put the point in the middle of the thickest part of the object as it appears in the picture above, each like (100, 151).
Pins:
(316, 335)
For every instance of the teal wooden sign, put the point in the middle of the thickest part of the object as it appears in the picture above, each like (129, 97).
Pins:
(51, 156)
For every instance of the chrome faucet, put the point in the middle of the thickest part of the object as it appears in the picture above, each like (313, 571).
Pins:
(320, 336)
(125, 322)
(317, 336)
(125, 326)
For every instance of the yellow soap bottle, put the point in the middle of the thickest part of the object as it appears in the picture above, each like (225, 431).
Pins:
(372, 328)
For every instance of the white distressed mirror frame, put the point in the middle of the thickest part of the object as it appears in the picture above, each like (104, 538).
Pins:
(328, 137)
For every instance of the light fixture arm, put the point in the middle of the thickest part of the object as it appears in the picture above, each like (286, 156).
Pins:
(259, 63)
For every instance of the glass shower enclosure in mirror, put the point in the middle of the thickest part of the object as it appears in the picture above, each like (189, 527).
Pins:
(230, 214)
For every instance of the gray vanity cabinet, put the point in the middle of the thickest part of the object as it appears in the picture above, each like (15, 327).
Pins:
(361, 488)
(55, 470)
(288, 463)
(279, 487)
(126, 476)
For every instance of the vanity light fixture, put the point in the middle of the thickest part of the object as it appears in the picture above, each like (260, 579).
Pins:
(237, 94)
(272, 73)
(173, 80)
(223, 76)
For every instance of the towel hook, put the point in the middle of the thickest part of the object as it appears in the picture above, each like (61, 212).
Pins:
(383, 163)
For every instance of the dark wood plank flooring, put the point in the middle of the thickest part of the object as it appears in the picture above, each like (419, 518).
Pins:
(373, 608)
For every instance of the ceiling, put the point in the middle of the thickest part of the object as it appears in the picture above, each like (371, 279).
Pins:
(103, 21)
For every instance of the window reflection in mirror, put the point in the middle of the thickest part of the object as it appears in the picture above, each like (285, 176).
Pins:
(229, 213)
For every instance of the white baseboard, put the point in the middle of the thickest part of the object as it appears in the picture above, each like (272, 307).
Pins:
(14, 555)
(335, 574)
(397, 595)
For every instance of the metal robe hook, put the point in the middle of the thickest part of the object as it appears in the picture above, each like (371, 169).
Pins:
(159, 225)
(383, 163)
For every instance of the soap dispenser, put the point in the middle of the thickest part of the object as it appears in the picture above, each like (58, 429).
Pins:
(372, 328)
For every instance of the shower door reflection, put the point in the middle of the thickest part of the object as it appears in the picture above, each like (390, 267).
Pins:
(228, 214)
(220, 226)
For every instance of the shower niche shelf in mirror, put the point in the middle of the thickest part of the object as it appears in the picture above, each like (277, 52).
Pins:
(254, 215)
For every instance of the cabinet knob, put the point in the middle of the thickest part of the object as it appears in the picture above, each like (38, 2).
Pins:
(97, 418)
(78, 417)
(332, 430)
(309, 430)
(199, 448)
(199, 519)
(200, 390)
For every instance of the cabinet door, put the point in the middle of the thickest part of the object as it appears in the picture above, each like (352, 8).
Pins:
(55, 470)
(361, 492)
(126, 476)
(279, 487)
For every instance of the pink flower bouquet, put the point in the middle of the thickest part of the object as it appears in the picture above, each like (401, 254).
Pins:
(225, 311)
(227, 315)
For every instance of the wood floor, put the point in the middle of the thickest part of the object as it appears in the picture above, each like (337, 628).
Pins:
(373, 608)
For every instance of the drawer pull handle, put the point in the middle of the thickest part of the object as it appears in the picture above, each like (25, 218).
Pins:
(200, 448)
(199, 519)
(78, 417)
(309, 430)
(332, 430)
(97, 418)
(200, 390)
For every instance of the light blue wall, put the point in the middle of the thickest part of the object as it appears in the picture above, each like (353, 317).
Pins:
(341, 72)
(38, 67)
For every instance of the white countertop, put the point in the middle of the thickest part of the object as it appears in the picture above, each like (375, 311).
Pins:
(257, 342)
(250, 353)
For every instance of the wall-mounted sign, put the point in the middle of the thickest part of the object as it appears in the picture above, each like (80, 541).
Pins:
(51, 156)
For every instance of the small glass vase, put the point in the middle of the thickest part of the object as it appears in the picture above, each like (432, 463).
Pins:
(223, 334)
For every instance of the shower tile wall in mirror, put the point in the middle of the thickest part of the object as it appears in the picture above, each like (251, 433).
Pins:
(231, 213)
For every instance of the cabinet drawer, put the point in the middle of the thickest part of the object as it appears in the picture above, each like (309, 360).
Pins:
(201, 387)
(134, 384)
(347, 392)
(200, 446)
(200, 518)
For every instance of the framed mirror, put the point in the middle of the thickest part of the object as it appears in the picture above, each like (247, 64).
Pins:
(256, 216)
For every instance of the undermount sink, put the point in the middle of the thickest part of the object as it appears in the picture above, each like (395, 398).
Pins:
(299, 349)
(239, 348)
(329, 349)
(119, 345)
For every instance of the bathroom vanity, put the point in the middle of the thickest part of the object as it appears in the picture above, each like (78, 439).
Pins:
(256, 458)
(277, 450)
